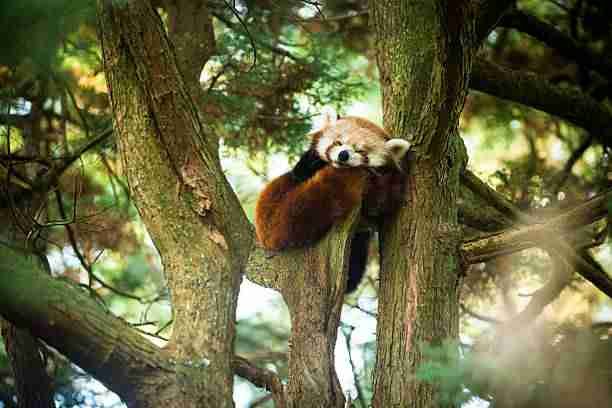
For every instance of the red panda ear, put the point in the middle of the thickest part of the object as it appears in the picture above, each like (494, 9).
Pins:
(397, 148)
(329, 116)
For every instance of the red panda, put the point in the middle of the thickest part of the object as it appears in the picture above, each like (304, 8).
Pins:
(330, 179)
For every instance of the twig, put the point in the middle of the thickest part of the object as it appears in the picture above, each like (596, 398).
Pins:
(50, 179)
(88, 267)
(162, 328)
(561, 178)
(246, 28)
(478, 316)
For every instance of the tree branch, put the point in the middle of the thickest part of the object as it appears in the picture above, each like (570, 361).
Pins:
(261, 378)
(559, 41)
(562, 176)
(584, 264)
(559, 278)
(49, 180)
(492, 197)
(69, 320)
(527, 89)
(312, 281)
(517, 239)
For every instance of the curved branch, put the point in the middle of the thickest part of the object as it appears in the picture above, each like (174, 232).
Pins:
(559, 41)
(559, 278)
(563, 175)
(527, 89)
(69, 320)
(48, 181)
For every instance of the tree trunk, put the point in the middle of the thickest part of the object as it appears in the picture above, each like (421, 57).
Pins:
(424, 67)
(190, 211)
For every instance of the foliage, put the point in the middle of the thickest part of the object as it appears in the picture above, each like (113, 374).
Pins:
(53, 102)
(559, 366)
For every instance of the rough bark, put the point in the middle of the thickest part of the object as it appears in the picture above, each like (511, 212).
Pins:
(190, 211)
(312, 281)
(424, 65)
(314, 293)
(69, 319)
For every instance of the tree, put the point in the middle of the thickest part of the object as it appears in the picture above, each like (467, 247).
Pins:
(168, 130)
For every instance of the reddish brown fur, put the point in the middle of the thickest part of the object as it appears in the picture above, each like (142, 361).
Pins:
(291, 214)
(366, 124)
(383, 194)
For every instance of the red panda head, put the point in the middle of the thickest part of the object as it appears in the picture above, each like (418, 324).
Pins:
(356, 142)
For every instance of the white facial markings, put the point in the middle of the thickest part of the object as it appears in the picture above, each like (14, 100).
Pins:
(346, 143)
(323, 146)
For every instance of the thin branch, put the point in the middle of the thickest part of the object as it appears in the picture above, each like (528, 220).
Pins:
(563, 175)
(560, 276)
(478, 316)
(270, 47)
(86, 265)
(50, 179)
(492, 197)
(248, 33)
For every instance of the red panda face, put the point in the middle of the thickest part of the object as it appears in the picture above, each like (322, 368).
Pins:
(357, 142)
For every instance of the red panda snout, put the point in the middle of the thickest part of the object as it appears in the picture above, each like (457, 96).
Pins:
(346, 156)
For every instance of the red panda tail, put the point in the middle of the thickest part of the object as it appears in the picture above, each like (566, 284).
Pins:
(358, 259)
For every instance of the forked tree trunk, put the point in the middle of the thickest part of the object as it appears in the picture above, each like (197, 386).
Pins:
(424, 68)
(194, 218)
